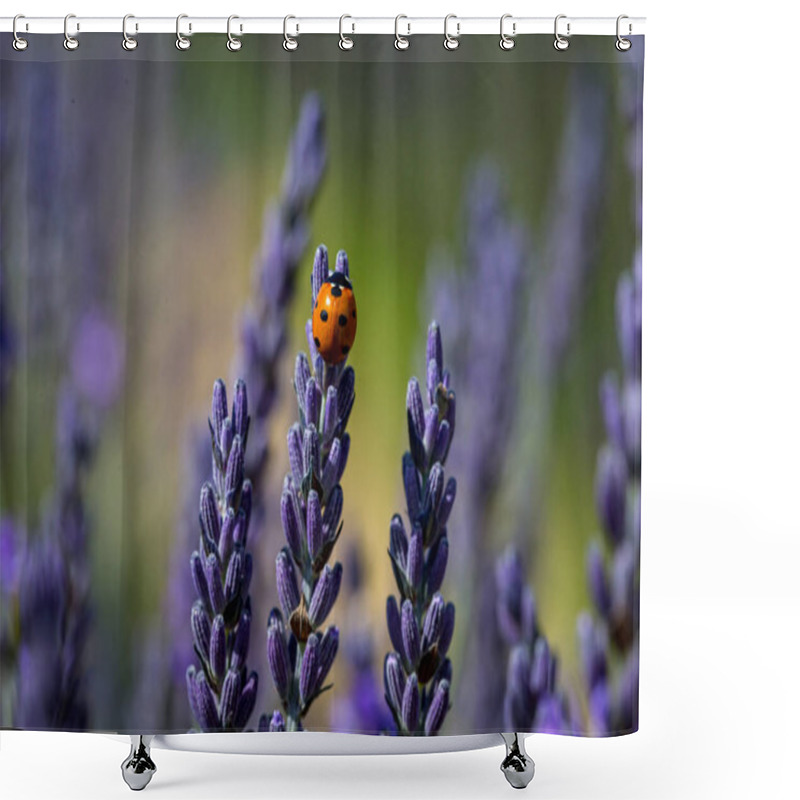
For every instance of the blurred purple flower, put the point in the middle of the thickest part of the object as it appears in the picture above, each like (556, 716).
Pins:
(222, 693)
(418, 674)
(97, 359)
(532, 700)
(612, 635)
(311, 508)
(11, 552)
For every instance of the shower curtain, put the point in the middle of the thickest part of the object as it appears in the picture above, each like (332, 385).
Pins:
(321, 386)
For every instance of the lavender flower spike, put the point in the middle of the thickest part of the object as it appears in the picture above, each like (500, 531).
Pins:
(311, 508)
(532, 699)
(221, 692)
(417, 677)
(610, 636)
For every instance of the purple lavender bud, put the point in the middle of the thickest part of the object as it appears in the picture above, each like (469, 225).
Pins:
(313, 402)
(234, 474)
(436, 569)
(411, 486)
(342, 263)
(346, 395)
(600, 708)
(410, 633)
(278, 654)
(414, 564)
(539, 681)
(432, 627)
(629, 324)
(277, 723)
(415, 408)
(199, 579)
(239, 416)
(219, 408)
(632, 422)
(217, 648)
(319, 272)
(623, 569)
(343, 458)
(598, 582)
(291, 525)
(438, 708)
(435, 488)
(528, 625)
(204, 704)
(226, 536)
(308, 671)
(398, 542)
(314, 525)
(434, 356)
(310, 451)
(441, 447)
(209, 518)
(409, 712)
(593, 646)
(328, 648)
(610, 489)
(394, 624)
(431, 429)
(226, 438)
(241, 644)
(332, 514)
(393, 681)
(331, 417)
(234, 576)
(316, 359)
(288, 593)
(446, 502)
(612, 410)
(448, 626)
(229, 703)
(247, 701)
(201, 630)
(295, 443)
(325, 594)
(331, 471)
(215, 589)
(302, 375)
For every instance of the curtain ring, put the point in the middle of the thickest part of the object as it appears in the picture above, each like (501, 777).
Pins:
(289, 42)
(622, 44)
(451, 42)
(507, 42)
(128, 42)
(182, 42)
(234, 42)
(401, 42)
(70, 42)
(560, 42)
(345, 42)
(19, 44)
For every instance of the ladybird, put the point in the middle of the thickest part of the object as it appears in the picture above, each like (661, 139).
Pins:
(333, 323)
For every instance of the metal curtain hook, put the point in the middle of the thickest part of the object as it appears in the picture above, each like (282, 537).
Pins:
(70, 42)
(451, 42)
(401, 42)
(128, 42)
(181, 41)
(19, 44)
(289, 42)
(560, 43)
(345, 42)
(507, 42)
(234, 42)
(623, 44)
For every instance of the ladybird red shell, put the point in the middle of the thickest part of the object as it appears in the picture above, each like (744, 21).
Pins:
(334, 321)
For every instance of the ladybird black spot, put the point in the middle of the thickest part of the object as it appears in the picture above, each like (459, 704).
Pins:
(354, 314)
(345, 349)
(316, 341)
(323, 315)
(342, 320)
(336, 291)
